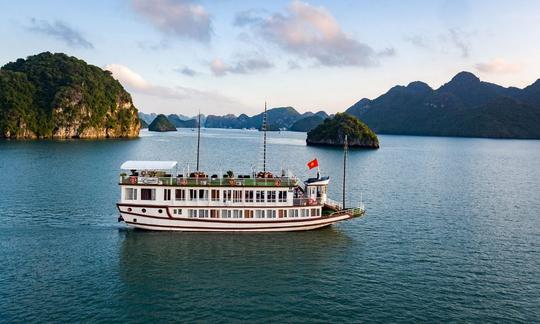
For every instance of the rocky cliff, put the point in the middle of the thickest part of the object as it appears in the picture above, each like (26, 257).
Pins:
(58, 96)
(333, 130)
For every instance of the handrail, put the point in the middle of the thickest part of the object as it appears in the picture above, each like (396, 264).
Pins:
(213, 182)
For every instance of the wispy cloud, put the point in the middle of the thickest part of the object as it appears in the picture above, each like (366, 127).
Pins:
(459, 40)
(186, 71)
(178, 95)
(61, 31)
(498, 66)
(220, 68)
(312, 32)
(180, 18)
(453, 38)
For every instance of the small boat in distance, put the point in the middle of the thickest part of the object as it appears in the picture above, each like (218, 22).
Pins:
(155, 196)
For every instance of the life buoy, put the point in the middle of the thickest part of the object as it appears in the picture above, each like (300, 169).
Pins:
(277, 183)
(231, 182)
(183, 182)
(133, 180)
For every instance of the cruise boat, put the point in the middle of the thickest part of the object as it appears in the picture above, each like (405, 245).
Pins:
(156, 196)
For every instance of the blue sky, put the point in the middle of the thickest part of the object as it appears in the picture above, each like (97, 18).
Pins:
(178, 56)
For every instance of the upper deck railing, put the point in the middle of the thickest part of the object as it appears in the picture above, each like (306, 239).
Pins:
(209, 182)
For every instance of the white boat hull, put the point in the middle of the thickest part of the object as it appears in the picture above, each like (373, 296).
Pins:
(153, 219)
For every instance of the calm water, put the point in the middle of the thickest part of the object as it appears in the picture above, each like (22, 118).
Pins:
(452, 233)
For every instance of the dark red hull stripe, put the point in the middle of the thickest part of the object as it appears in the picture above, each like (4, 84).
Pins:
(228, 228)
(213, 220)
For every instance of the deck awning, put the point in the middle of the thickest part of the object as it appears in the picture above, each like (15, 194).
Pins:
(148, 165)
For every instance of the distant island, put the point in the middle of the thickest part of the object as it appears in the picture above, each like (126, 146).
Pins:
(59, 96)
(465, 107)
(279, 118)
(333, 130)
(161, 124)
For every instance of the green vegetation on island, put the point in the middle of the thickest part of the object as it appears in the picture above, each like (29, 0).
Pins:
(161, 124)
(333, 130)
(59, 96)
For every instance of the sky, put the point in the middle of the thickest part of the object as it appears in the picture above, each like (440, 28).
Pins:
(221, 57)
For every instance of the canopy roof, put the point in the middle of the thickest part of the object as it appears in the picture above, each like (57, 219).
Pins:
(148, 165)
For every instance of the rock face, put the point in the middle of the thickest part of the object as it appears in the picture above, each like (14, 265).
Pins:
(333, 130)
(58, 96)
(161, 124)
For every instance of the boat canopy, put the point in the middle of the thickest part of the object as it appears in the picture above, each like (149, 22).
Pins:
(148, 165)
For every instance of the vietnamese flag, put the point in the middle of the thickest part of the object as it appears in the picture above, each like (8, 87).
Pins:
(313, 164)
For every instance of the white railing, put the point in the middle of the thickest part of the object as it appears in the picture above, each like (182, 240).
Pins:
(334, 204)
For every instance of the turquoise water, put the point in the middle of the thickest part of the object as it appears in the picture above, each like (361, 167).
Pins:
(452, 233)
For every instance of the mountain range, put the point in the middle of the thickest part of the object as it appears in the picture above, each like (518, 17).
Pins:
(465, 106)
(278, 118)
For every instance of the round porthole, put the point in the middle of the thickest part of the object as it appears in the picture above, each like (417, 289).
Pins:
(134, 220)
(160, 211)
(143, 210)
(129, 209)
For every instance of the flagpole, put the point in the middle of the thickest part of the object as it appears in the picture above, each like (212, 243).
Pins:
(345, 147)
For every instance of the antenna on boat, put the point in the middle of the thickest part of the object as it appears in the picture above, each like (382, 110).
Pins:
(198, 138)
(345, 153)
(264, 126)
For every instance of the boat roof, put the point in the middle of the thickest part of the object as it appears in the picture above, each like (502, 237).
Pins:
(148, 165)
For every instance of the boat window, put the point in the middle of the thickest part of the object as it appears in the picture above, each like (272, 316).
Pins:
(203, 213)
(166, 194)
(180, 194)
(226, 213)
(131, 193)
(227, 195)
(237, 195)
(192, 213)
(214, 213)
(304, 212)
(203, 194)
(282, 213)
(271, 196)
(192, 194)
(259, 213)
(293, 212)
(248, 213)
(314, 211)
(237, 213)
(148, 194)
(271, 213)
(282, 196)
(259, 195)
(215, 194)
(248, 194)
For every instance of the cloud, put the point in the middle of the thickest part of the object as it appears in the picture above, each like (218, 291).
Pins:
(219, 68)
(180, 18)
(60, 31)
(171, 96)
(417, 40)
(187, 71)
(312, 32)
(247, 17)
(458, 39)
(498, 66)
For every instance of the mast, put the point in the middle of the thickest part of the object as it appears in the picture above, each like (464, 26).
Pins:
(345, 153)
(264, 126)
(198, 139)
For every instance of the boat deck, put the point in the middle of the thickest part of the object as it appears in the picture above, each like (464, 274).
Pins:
(209, 182)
